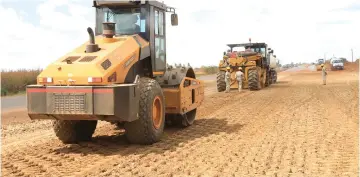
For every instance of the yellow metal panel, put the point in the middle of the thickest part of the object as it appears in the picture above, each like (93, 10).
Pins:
(172, 100)
(122, 52)
(186, 94)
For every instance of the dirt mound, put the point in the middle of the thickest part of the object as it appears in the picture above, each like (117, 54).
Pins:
(352, 66)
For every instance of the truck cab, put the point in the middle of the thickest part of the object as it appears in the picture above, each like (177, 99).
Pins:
(336, 64)
(320, 61)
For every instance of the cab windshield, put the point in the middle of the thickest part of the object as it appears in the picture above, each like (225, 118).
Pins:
(253, 49)
(127, 20)
(238, 49)
(259, 50)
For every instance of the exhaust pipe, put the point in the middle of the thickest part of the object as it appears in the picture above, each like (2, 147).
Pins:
(108, 29)
(91, 35)
(92, 47)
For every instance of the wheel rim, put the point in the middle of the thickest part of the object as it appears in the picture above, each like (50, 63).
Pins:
(157, 112)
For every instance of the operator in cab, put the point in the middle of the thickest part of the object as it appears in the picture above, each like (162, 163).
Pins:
(127, 24)
(248, 49)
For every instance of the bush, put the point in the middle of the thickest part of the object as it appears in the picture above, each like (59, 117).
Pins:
(210, 69)
(13, 82)
(344, 60)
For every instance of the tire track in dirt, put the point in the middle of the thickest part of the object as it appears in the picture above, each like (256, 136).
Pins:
(349, 98)
(11, 143)
(344, 158)
(184, 134)
(272, 147)
(225, 145)
(173, 141)
(313, 147)
(19, 129)
(42, 152)
(63, 157)
(221, 140)
(289, 129)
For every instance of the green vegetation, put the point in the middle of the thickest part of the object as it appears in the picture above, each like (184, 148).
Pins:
(15, 81)
(209, 69)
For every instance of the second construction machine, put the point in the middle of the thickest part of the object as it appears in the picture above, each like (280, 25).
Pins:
(119, 76)
(256, 63)
(319, 62)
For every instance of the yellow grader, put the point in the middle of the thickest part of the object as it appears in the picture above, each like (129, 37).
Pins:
(120, 75)
(257, 63)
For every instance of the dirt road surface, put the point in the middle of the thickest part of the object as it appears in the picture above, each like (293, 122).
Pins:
(13, 102)
(296, 127)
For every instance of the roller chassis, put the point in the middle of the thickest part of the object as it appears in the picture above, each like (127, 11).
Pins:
(128, 106)
(86, 102)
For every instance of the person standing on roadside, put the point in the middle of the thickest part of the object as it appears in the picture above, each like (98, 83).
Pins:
(227, 79)
(324, 73)
(239, 78)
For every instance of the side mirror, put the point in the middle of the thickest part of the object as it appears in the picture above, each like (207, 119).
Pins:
(174, 19)
(269, 48)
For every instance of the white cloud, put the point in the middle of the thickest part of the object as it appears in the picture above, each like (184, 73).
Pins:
(29, 46)
(291, 28)
(296, 30)
(60, 21)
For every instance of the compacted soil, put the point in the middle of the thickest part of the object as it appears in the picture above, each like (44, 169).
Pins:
(296, 127)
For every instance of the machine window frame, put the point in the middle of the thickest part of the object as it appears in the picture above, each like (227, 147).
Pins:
(100, 18)
(159, 35)
(156, 21)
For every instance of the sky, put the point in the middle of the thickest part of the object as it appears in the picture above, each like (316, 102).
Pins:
(37, 32)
